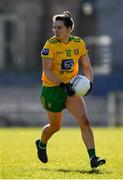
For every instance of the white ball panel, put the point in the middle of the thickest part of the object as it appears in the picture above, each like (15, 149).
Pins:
(81, 85)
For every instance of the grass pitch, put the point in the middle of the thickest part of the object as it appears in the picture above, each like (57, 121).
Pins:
(68, 158)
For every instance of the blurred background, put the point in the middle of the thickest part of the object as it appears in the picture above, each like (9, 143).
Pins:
(25, 25)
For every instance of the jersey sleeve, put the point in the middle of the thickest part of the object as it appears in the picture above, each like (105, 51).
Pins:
(47, 51)
(83, 48)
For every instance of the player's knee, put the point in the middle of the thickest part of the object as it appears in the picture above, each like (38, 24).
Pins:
(84, 122)
(55, 129)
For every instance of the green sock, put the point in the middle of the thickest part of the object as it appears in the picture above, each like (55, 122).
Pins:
(42, 145)
(91, 152)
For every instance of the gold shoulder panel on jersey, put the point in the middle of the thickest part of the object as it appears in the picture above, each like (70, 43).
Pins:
(75, 38)
(53, 40)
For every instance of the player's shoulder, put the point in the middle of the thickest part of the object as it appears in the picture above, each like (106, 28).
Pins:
(52, 40)
(76, 39)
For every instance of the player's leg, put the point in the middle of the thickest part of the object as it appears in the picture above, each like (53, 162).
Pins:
(76, 106)
(53, 100)
(48, 130)
(53, 126)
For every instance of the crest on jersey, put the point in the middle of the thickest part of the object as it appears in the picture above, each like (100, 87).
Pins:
(76, 51)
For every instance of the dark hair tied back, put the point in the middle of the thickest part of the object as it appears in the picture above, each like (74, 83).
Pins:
(66, 18)
(67, 13)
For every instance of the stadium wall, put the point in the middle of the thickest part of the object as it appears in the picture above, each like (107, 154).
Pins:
(33, 25)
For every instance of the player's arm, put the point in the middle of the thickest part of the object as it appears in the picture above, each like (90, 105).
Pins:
(47, 65)
(87, 69)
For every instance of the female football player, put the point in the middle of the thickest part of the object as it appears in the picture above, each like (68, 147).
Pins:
(60, 58)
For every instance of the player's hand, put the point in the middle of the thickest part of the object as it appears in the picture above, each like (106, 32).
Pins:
(88, 92)
(67, 87)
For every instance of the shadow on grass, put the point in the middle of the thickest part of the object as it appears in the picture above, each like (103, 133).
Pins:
(92, 171)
